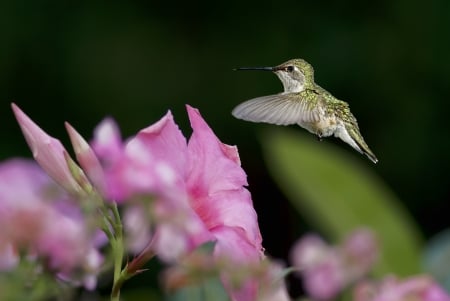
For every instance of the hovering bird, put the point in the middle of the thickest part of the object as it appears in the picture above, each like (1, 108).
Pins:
(305, 103)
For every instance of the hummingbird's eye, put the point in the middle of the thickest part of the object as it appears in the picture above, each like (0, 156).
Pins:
(290, 68)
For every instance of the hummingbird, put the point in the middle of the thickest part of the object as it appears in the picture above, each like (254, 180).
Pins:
(305, 103)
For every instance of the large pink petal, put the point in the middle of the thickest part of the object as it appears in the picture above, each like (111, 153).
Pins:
(233, 244)
(213, 165)
(232, 209)
(165, 142)
(159, 153)
(215, 183)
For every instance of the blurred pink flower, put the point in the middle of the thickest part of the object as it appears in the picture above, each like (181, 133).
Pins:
(327, 270)
(198, 186)
(142, 165)
(326, 279)
(47, 151)
(418, 288)
(319, 265)
(32, 223)
(359, 252)
(136, 223)
(308, 251)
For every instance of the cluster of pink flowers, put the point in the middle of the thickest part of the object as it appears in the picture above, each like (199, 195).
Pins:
(421, 288)
(187, 192)
(183, 200)
(327, 270)
(40, 221)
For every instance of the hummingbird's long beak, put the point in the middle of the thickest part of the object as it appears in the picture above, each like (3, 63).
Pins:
(255, 68)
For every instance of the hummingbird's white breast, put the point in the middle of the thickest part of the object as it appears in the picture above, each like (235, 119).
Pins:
(290, 84)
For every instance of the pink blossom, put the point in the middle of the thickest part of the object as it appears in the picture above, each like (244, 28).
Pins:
(326, 279)
(136, 167)
(136, 223)
(32, 223)
(320, 266)
(359, 252)
(327, 270)
(198, 186)
(47, 151)
(420, 288)
(308, 251)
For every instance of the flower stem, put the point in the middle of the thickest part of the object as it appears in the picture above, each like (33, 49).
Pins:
(117, 245)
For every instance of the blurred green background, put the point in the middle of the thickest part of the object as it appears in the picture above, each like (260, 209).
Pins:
(80, 61)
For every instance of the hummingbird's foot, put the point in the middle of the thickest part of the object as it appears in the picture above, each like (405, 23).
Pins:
(319, 136)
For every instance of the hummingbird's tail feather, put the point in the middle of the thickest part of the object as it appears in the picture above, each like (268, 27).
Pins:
(361, 144)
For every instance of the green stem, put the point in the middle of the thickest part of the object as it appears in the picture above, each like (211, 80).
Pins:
(117, 245)
(118, 250)
(118, 280)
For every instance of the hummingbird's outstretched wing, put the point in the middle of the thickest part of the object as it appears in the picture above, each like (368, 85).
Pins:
(280, 109)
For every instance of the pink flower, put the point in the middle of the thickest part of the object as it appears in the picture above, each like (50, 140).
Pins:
(32, 222)
(327, 270)
(320, 266)
(199, 189)
(360, 253)
(141, 165)
(326, 280)
(136, 222)
(308, 251)
(420, 288)
(47, 151)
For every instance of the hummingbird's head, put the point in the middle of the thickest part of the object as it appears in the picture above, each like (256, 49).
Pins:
(295, 75)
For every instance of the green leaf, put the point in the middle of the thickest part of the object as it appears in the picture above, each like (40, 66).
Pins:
(337, 191)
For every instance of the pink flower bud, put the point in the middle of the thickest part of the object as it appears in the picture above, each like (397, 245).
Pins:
(47, 151)
(86, 157)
